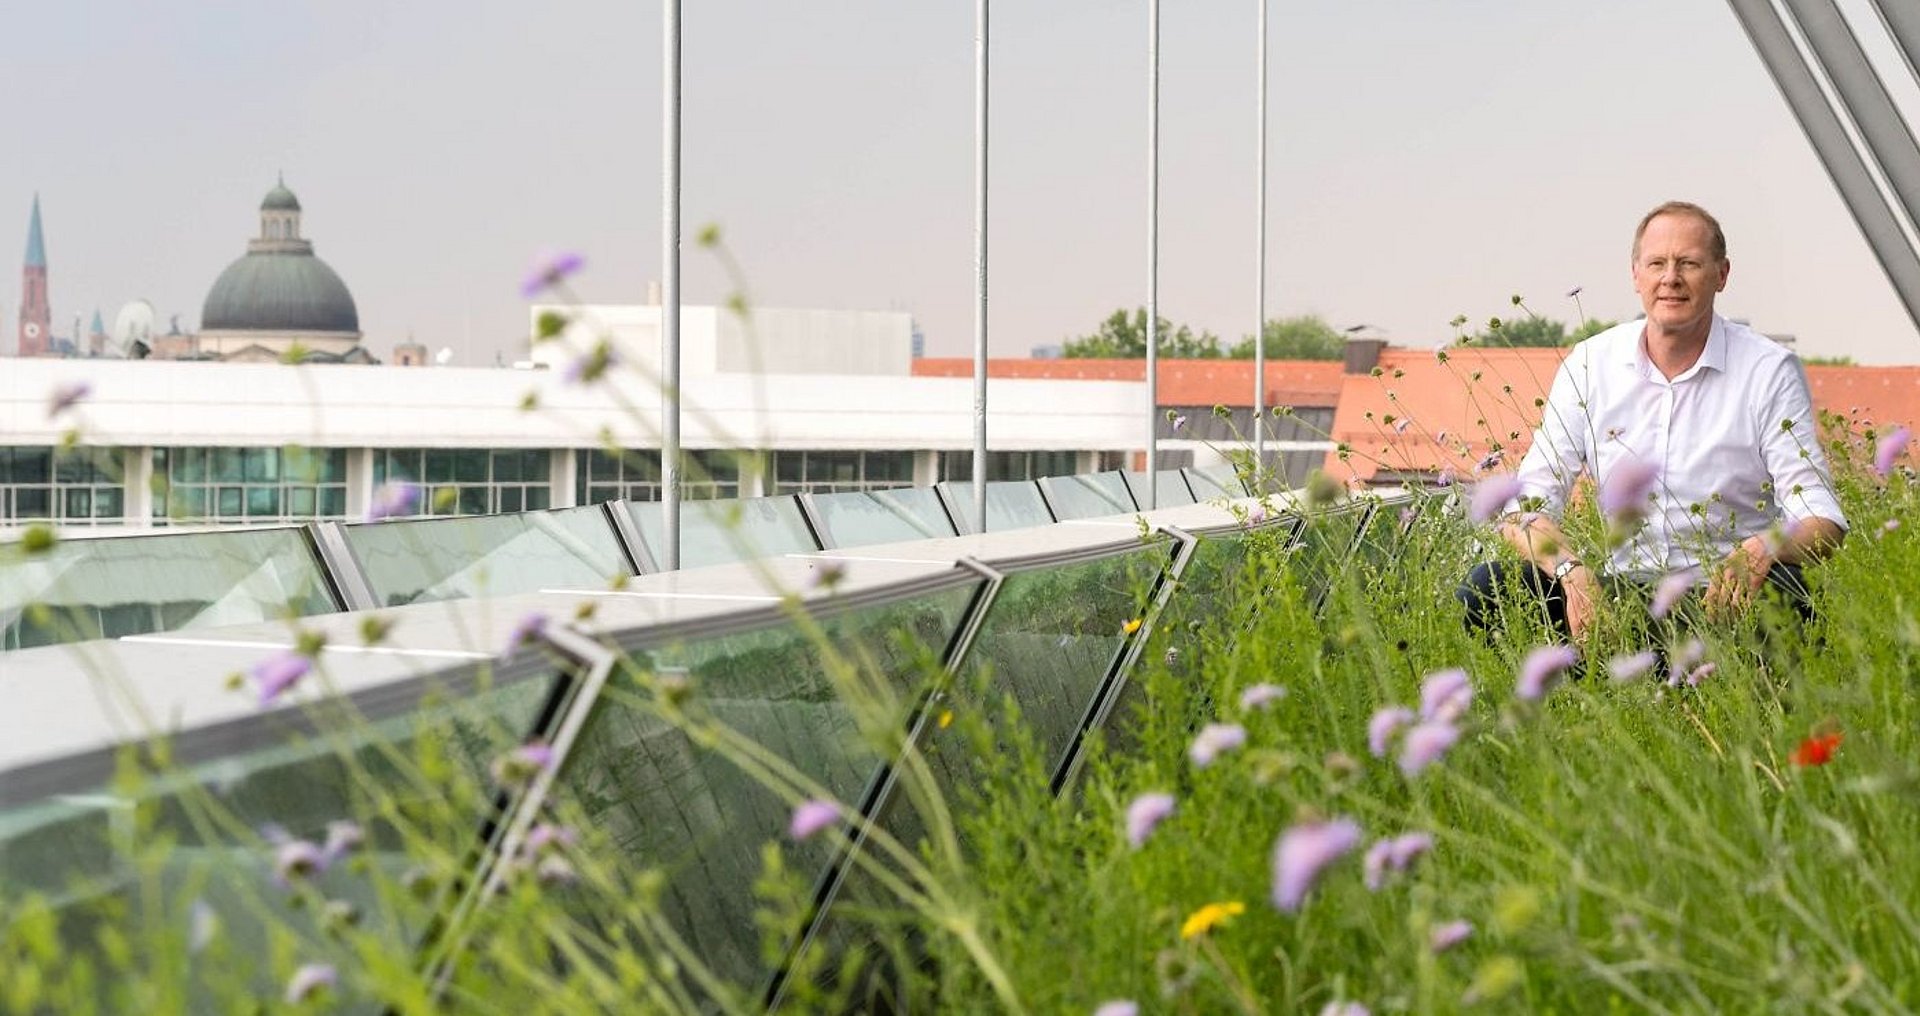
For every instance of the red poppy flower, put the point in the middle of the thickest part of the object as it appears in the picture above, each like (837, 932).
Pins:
(1816, 751)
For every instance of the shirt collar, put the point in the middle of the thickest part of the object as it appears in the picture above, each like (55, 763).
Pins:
(1715, 355)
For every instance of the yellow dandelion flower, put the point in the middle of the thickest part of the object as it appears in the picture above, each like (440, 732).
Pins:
(1211, 916)
(1132, 625)
(946, 718)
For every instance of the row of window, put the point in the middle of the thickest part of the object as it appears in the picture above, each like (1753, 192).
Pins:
(296, 484)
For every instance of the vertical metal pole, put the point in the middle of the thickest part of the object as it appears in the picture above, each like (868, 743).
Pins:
(670, 287)
(980, 263)
(1153, 252)
(1260, 261)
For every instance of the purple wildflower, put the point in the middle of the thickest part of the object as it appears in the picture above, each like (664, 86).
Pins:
(1540, 668)
(1257, 514)
(1261, 696)
(1491, 495)
(1446, 936)
(394, 499)
(1381, 728)
(1890, 525)
(1179, 420)
(1345, 1008)
(343, 838)
(1491, 460)
(297, 859)
(1400, 426)
(1890, 449)
(1628, 668)
(1445, 695)
(1118, 1007)
(1571, 293)
(1701, 673)
(1303, 852)
(66, 396)
(1624, 494)
(1395, 854)
(812, 816)
(1684, 659)
(1671, 590)
(1425, 744)
(525, 631)
(1445, 477)
(549, 269)
(277, 673)
(522, 764)
(547, 836)
(1214, 740)
(1145, 813)
(309, 981)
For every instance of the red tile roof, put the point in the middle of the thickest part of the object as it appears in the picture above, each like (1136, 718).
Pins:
(1182, 382)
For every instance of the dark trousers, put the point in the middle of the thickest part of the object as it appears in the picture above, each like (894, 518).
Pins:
(1481, 591)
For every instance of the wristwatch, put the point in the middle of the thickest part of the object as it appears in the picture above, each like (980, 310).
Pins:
(1560, 570)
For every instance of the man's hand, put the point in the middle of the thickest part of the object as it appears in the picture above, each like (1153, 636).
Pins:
(1739, 577)
(1582, 591)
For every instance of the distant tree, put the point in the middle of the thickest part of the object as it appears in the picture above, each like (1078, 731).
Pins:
(1123, 336)
(1529, 331)
(1828, 361)
(1306, 337)
(1589, 329)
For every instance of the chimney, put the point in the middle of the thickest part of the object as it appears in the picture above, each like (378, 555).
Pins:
(1363, 354)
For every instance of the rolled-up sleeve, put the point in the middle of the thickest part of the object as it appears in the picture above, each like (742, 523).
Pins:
(1790, 446)
(1559, 450)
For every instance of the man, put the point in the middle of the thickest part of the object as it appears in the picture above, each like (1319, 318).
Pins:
(1711, 418)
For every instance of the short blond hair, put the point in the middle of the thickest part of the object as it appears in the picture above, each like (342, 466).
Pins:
(1683, 208)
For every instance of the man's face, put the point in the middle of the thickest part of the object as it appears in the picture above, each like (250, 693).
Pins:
(1676, 274)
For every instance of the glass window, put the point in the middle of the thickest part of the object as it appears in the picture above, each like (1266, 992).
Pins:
(691, 814)
(179, 580)
(1169, 488)
(883, 516)
(719, 532)
(447, 559)
(1011, 504)
(1089, 495)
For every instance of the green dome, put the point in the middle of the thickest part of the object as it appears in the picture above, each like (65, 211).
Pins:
(279, 292)
(280, 199)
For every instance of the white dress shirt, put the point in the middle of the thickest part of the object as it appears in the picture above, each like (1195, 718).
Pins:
(1732, 440)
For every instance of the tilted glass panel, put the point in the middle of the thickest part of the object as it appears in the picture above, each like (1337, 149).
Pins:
(417, 561)
(79, 851)
(1326, 539)
(816, 698)
(1170, 488)
(1209, 482)
(883, 516)
(1088, 495)
(87, 589)
(1011, 504)
(721, 532)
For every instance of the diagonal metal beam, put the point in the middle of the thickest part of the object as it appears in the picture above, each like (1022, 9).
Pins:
(1902, 18)
(1834, 148)
(1864, 98)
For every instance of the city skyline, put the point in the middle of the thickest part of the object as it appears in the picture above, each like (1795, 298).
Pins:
(1423, 164)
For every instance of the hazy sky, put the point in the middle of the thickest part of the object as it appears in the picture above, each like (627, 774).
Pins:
(1427, 159)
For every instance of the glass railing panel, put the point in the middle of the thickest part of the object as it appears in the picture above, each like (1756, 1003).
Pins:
(811, 696)
(93, 856)
(1011, 504)
(724, 532)
(1325, 542)
(883, 516)
(1170, 488)
(1209, 482)
(1088, 495)
(424, 560)
(87, 589)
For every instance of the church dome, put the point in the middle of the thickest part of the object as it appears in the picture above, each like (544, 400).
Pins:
(280, 199)
(279, 292)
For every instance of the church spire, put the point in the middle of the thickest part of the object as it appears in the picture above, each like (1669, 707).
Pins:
(36, 243)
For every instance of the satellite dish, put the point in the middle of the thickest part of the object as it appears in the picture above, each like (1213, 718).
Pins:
(134, 323)
(444, 356)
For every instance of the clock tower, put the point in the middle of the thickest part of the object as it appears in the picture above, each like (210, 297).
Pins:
(36, 315)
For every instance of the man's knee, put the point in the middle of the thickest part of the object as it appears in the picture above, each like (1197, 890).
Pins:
(1478, 591)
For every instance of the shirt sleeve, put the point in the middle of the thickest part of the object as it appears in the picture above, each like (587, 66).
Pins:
(1559, 449)
(1790, 446)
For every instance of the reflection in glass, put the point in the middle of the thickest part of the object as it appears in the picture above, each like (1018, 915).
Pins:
(1088, 495)
(413, 561)
(1011, 504)
(883, 516)
(691, 812)
(159, 583)
(1169, 488)
(722, 532)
